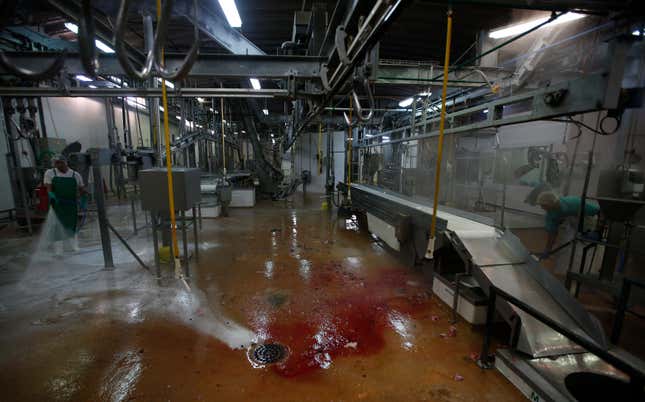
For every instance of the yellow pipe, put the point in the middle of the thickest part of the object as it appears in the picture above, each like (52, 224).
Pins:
(442, 123)
(171, 191)
(349, 152)
(223, 142)
(319, 148)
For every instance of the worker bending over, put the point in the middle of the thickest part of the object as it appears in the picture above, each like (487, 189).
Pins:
(562, 215)
(64, 187)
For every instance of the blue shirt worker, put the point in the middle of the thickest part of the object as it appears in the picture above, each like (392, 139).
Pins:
(561, 209)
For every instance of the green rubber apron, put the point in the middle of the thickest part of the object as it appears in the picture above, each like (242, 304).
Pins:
(65, 207)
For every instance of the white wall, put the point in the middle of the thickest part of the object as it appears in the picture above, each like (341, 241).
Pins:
(84, 120)
(305, 158)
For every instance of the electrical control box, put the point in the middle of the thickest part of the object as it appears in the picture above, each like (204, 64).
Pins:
(153, 184)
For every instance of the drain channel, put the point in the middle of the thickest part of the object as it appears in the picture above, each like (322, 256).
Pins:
(267, 353)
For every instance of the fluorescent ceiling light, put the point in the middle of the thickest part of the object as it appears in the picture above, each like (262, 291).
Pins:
(161, 108)
(72, 27)
(178, 117)
(405, 102)
(265, 111)
(168, 83)
(139, 103)
(103, 47)
(636, 32)
(201, 100)
(425, 94)
(518, 29)
(230, 12)
(100, 45)
(485, 111)
(255, 83)
(83, 78)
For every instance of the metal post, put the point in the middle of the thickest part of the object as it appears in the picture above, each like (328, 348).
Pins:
(195, 234)
(581, 218)
(185, 241)
(155, 241)
(455, 298)
(103, 225)
(17, 165)
(134, 216)
(199, 211)
(484, 361)
(623, 298)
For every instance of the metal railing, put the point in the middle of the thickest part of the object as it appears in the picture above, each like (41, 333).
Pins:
(635, 373)
(622, 308)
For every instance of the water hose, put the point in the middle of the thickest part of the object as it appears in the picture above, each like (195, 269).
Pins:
(442, 124)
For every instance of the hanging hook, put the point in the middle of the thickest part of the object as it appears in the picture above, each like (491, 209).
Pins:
(119, 41)
(370, 100)
(341, 47)
(86, 42)
(9, 8)
(183, 70)
(48, 72)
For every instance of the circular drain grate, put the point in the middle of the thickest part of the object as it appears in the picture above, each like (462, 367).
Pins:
(267, 353)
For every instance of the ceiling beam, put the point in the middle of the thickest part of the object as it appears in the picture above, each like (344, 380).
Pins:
(217, 28)
(207, 65)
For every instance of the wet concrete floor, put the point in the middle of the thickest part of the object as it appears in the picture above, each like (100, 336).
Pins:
(357, 323)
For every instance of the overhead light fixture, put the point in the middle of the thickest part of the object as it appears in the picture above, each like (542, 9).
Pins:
(255, 83)
(425, 93)
(230, 12)
(168, 83)
(406, 102)
(485, 111)
(83, 78)
(99, 44)
(139, 103)
(201, 100)
(161, 109)
(637, 32)
(92, 86)
(178, 117)
(518, 29)
(72, 27)
(265, 111)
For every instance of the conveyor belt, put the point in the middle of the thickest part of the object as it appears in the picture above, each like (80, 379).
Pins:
(500, 259)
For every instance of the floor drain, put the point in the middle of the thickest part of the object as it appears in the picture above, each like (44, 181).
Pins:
(267, 353)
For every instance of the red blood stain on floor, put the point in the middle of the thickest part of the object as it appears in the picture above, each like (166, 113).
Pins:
(338, 314)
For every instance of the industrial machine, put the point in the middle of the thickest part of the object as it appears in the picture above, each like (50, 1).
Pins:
(483, 270)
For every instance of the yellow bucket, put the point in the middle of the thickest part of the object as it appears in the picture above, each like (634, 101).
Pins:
(164, 254)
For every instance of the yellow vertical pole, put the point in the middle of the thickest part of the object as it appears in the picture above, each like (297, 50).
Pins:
(320, 147)
(349, 152)
(442, 123)
(171, 191)
(223, 141)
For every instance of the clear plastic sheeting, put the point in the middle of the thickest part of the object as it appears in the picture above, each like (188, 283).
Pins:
(498, 173)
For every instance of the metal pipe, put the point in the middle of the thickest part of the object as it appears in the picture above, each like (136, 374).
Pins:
(442, 123)
(171, 191)
(99, 198)
(145, 92)
(127, 246)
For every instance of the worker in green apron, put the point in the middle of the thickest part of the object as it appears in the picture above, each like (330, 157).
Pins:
(64, 187)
